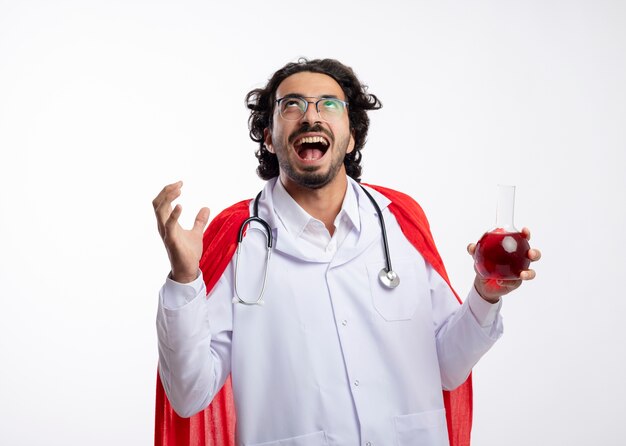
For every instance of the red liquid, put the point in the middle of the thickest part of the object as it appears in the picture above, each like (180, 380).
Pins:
(502, 255)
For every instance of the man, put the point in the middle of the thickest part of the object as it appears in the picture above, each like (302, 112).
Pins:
(335, 355)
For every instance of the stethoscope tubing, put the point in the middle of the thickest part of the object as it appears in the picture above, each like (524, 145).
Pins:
(383, 229)
(388, 277)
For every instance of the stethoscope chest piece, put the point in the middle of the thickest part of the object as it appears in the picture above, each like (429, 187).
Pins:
(389, 278)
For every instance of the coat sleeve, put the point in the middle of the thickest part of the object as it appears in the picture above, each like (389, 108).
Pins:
(464, 333)
(194, 336)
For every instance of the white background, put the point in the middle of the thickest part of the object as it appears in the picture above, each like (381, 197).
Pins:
(104, 102)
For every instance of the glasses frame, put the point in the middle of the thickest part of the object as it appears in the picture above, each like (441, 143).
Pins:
(304, 98)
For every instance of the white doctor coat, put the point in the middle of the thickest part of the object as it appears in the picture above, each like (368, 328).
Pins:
(332, 358)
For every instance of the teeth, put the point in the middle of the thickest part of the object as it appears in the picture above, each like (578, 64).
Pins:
(312, 140)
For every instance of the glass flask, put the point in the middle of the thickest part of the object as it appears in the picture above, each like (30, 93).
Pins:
(502, 253)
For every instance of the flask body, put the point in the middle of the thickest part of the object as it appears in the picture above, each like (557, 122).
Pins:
(502, 253)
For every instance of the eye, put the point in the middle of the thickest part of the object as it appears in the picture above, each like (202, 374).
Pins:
(332, 105)
(291, 103)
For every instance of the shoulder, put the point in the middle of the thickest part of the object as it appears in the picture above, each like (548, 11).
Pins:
(220, 241)
(229, 220)
(237, 211)
(414, 225)
(402, 203)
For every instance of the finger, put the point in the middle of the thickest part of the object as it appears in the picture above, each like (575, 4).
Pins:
(172, 220)
(476, 271)
(529, 274)
(509, 285)
(534, 254)
(513, 286)
(164, 192)
(201, 220)
(164, 207)
(162, 212)
(526, 232)
(471, 248)
(493, 289)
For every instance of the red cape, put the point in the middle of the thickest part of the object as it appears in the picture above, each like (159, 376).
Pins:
(215, 425)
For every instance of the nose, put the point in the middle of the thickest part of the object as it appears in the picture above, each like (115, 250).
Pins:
(311, 115)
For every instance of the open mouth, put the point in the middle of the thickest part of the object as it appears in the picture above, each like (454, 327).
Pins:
(311, 148)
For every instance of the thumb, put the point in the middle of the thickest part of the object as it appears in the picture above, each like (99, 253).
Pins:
(201, 220)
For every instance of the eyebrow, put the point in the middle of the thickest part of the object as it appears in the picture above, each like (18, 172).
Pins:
(300, 95)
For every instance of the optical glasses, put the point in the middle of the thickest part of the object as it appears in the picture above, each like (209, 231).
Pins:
(293, 108)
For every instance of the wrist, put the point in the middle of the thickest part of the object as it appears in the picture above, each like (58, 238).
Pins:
(491, 300)
(480, 288)
(183, 277)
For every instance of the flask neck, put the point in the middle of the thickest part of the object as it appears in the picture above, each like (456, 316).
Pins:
(505, 208)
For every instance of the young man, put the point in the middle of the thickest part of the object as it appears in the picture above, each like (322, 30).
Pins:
(339, 353)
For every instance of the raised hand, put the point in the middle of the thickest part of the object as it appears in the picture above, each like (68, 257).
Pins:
(184, 247)
(491, 289)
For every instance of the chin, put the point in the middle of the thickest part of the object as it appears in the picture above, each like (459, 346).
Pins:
(312, 181)
(312, 177)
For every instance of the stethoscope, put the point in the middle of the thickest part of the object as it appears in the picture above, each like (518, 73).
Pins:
(387, 276)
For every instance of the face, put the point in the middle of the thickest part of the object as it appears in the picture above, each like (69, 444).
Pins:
(310, 151)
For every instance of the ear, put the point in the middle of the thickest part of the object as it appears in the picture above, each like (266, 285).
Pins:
(267, 139)
(351, 143)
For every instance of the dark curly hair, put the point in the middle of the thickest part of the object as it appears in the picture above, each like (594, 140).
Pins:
(261, 103)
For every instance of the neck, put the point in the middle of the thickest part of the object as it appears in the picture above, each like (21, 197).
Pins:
(324, 203)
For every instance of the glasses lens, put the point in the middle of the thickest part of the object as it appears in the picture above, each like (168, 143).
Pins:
(330, 109)
(292, 108)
